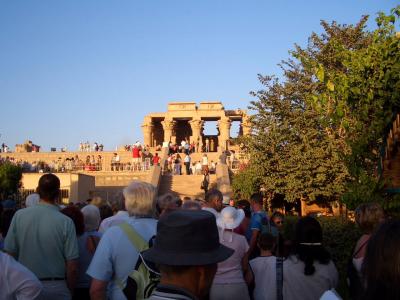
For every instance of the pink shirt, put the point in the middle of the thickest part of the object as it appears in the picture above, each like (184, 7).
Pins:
(230, 270)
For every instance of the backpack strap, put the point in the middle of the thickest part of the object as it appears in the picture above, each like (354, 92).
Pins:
(137, 241)
(359, 248)
(279, 278)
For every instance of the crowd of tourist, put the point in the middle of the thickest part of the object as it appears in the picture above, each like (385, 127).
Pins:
(87, 147)
(189, 249)
(4, 148)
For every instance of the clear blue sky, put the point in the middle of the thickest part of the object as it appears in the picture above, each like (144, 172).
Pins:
(80, 70)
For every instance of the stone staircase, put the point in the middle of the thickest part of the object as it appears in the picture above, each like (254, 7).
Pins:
(185, 185)
(391, 157)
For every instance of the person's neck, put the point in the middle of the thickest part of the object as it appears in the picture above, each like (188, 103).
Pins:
(257, 209)
(183, 283)
(265, 252)
(49, 202)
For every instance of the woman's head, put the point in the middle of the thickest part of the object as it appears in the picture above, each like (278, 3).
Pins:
(77, 217)
(308, 244)
(368, 216)
(167, 202)
(381, 267)
(91, 216)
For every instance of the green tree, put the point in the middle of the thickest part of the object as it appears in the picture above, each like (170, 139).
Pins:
(318, 131)
(10, 179)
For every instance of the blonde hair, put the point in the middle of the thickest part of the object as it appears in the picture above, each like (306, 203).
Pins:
(368, 216)
(139, 198)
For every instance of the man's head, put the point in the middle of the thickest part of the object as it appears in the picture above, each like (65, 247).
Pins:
(187, 248)
(266, 242)
(140, 198)
(49, 187)
(214, 199)
(256, 201)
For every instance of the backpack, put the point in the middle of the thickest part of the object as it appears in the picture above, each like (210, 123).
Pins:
(354, 283)
(145, 276)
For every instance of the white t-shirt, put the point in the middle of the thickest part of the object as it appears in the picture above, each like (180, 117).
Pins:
(116, 257)
(204, 160)
(230, 270)
(310, 287)
(16, 281)
(264, 270)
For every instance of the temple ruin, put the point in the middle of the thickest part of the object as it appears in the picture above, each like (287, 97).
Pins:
(185, 121)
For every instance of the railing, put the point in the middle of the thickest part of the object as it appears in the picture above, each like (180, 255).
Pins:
(142, 166)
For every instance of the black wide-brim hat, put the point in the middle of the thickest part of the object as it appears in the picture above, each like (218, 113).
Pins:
(187, 238)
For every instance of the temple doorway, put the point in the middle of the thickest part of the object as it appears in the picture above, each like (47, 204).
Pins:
(183, 131)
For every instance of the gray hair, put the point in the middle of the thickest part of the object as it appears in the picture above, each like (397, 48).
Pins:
(91, 217)
(140, 198)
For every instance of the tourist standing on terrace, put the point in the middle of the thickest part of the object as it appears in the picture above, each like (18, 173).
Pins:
(116, 257)
(136, 157)
(156, 160)
(187, 161)
(44, 241)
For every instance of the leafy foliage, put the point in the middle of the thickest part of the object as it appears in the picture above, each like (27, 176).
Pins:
(319, 131)
(10, 178)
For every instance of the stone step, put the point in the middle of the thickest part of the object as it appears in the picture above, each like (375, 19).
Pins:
(184, 185)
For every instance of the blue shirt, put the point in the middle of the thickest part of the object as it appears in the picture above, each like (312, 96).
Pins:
(85, 257)
(257, 220)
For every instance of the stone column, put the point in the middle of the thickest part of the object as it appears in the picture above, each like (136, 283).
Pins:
(224, 126)
(197, 126)
(168, 126)
(147, 129)
(246, 125)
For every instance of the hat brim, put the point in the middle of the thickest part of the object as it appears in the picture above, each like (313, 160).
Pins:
(187, 259)
(239, 218)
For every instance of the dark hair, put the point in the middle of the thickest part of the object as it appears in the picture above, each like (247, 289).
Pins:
(368, 216)
(105, 212)
(266, 241)
(213, 194)
(277, 214)
(5, 220)
(245, 205)
(76, 215)
(381, 263)
(257, 198)
(49, 187)
(308, 244)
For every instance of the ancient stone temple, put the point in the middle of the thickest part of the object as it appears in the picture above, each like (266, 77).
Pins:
(185, 121)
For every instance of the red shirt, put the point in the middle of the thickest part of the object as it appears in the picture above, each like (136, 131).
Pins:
(156, 160)
(136, 152)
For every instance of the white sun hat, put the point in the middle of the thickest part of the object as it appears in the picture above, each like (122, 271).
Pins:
(230, 218)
